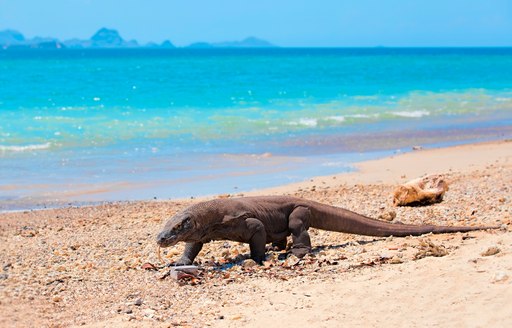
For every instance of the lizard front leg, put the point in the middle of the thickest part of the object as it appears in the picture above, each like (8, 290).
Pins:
(257, 238)
(190, 253)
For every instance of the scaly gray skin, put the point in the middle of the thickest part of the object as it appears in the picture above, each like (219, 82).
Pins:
(261, 220)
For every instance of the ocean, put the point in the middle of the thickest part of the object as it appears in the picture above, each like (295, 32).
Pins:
(108, 125)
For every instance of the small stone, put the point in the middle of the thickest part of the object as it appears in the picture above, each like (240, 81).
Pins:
(249, 263)
(4, 276)
(56, 299)
(388, 216)
(138, 302)
(395, 260)
(500, 277)
(150, 313)
(493, 250)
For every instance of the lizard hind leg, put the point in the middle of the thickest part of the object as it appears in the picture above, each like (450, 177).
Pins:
(280, 245)
(298, 223)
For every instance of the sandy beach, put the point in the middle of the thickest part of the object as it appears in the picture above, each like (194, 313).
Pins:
(98, 266)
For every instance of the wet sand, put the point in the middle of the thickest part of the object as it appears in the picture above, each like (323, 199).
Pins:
(85, 266)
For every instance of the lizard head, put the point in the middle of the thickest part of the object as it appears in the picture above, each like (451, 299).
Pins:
(176, 229)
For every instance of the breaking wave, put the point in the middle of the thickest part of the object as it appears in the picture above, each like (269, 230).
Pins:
(24, 148)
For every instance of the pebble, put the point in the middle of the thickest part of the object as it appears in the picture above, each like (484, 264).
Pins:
(396, 260)
(150, 313)
(500, 277)
(249, 263)
(388, 216)
(138, 302)
(493, 250)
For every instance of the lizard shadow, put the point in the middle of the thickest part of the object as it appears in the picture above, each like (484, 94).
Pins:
(282, 255)
(317, 249)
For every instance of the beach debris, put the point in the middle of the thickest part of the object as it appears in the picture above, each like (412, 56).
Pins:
(160, 255)
(223, 196)
(148, 266)
(183, 274)
(421, 191)
(417, 148)
(493, 250)
(187, 269)
(291, 261)
(428, 248)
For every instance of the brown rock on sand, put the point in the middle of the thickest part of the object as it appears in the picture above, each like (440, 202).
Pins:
(422, 191)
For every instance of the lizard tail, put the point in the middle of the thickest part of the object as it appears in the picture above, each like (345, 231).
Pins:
(341, 220)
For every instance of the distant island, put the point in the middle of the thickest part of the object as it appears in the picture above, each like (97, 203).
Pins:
(106, 38)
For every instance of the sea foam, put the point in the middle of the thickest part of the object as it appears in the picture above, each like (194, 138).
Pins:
(412, 114)
(17, 148)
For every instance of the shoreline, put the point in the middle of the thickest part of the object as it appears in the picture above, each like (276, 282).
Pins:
(365, 171)
(84, 266)
(399, 168)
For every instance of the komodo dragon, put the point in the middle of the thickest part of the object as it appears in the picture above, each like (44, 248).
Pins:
(271, 219)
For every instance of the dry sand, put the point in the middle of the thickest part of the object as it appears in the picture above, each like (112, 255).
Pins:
(84, 266)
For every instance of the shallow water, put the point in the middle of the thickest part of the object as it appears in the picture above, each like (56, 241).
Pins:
(138, 124)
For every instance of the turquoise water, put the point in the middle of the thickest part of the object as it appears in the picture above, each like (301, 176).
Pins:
(137, 124)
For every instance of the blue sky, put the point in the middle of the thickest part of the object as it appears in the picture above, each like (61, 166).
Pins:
(283, 22)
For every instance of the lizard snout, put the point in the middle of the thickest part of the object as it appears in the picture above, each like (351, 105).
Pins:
(165, 239)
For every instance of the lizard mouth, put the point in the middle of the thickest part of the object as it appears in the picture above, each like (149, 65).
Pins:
(163, 240)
